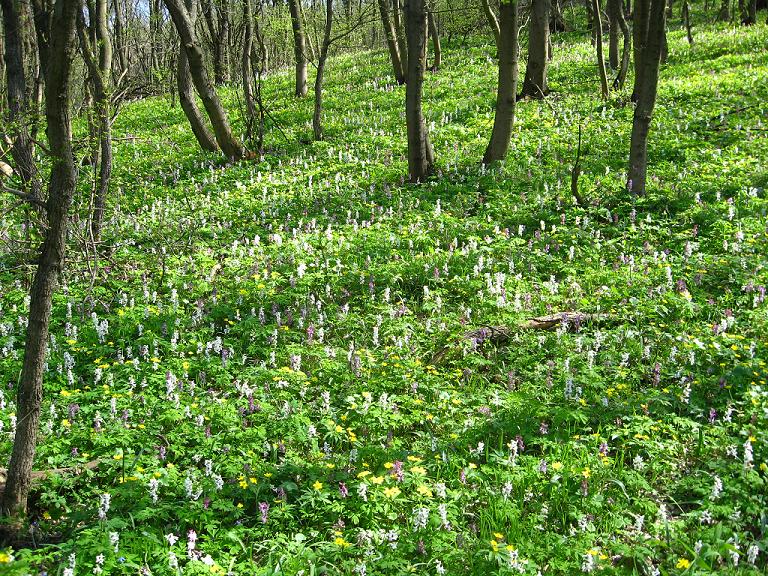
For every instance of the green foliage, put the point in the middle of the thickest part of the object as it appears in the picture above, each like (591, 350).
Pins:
(257, 359)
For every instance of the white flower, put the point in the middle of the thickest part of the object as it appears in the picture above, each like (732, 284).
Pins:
(172, 538)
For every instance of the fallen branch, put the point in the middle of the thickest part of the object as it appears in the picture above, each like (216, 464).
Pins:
(500, 335)
(40, 475)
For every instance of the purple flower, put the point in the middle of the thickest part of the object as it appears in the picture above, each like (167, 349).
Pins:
(264, 509)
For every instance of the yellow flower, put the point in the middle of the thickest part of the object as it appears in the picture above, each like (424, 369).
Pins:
(424, 491)
(557, 466)
(317, 485)
(586, 472)
(364, 473)
(388, 465)
(377, 479)
(392, 492)
(683, 563)
(66, 423)
(341, 543)
(117, 457)
(418, 470)
(498, 535)
(5, 558)
(239, 504)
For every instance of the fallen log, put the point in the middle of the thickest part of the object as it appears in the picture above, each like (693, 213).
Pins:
(500, 335)
(40, 475)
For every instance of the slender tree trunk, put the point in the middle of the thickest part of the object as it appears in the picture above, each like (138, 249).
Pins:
(724, 14)
(556, 21)
(61, 188)
(18, 114)
(394, 49)
(639, 39)
(626, 51)
(506, 94)
(229, 145)
(100, 73)
(250, 102)
(402, 41)
(599, 45)
(437, 52)
(651, 59)
(492, 20)
(299, 49)
(317, 117)
(420, 153)
(122, 57)
(686, 14)
(204, 138)
(614, 10)
(263, 51)
(222, 57)
(535, 83)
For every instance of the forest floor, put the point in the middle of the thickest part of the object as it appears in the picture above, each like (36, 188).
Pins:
(280, 367)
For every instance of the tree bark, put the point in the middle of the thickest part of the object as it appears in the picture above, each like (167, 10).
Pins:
(61, 188)
(556, 21)
(18, 113)
(299, 48)
(402, 41)
(535, 83)
(317, 117)
(203, 135)
(492, 20)
(686, 14)
(599, 46)
(639, 39)
(250, 102)
(420, 153)
(506, 94)
(394, 49)
(437, 52)
(614, 10)
(626, 50)
(724, 14)
(100, 73)
(229, 145)
(651, 59)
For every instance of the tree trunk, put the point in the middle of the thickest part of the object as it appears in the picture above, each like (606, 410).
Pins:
(614, 11)
(250, 102)
(506, 94)
(686, 14)
(263, 51)
(229, 145)
(203, 135)
(402, 42)
(299, 49)
(556, 21)
(317, 117)
(639, 39)
(599, 45)
(437, 52)
(535, 83)
(61, 188)
(394, 49)
(492, 20)
(222, 55)
(651, 59)
(420, 153)
(120, 49)
(100, 73)
(626, 50)
(19, 111)
(724, 14)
